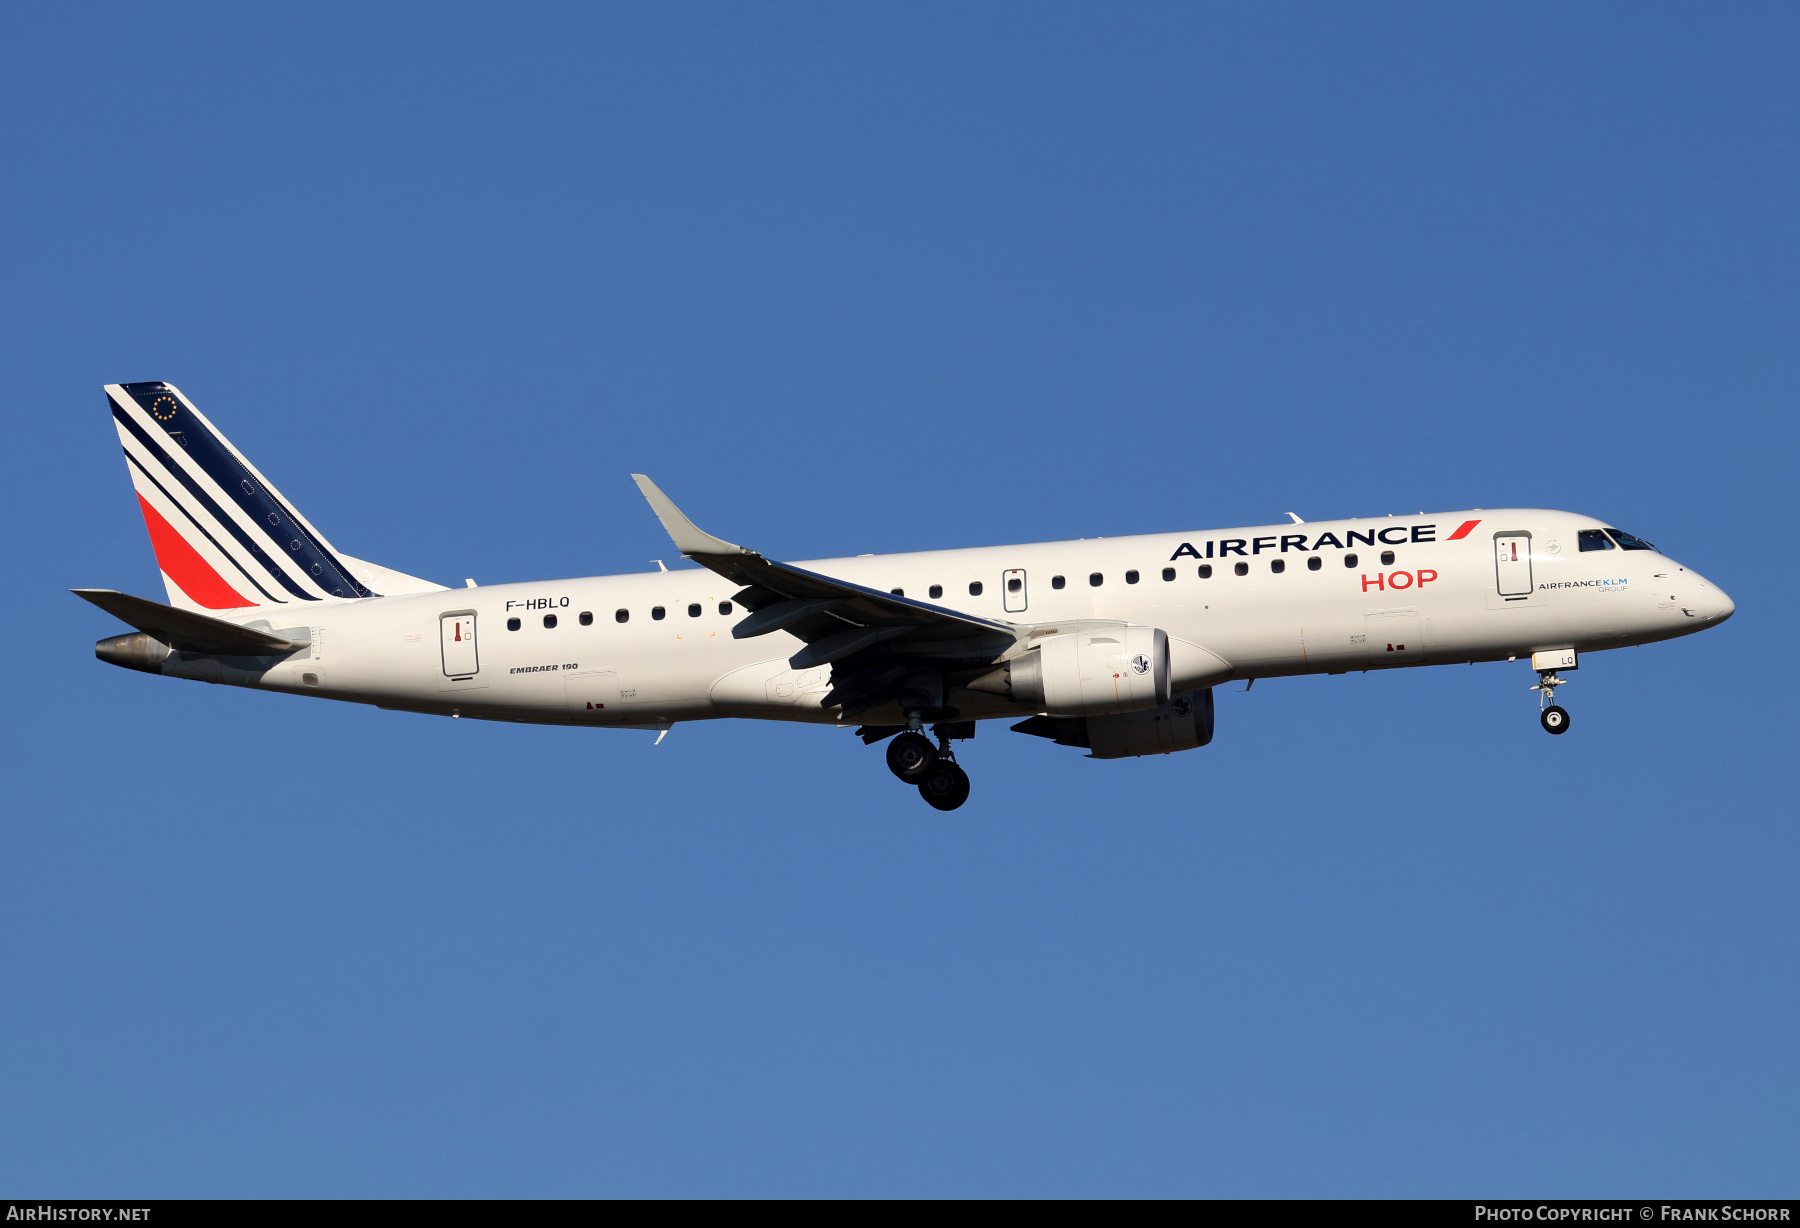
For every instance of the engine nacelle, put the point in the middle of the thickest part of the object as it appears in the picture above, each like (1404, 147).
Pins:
(1087, 672)
(1184, 723)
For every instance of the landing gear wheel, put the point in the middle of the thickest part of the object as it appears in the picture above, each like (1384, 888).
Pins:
(910, 756)
(945, 786)
(1554, 720)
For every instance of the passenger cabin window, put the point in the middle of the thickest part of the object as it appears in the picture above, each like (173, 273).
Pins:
(658, 613)
(621, 616)
(1277, 565)
(1131, 577)
(1628, 542)
(1349, 560)
(1057, 581)
(512, 624)
(1096, 580)
(1206, 571)
(549, 621)
(587, 618)
(694, 610)
(975, 588)
(1314, 563)
(1242, 569)
(1387, 558)
(1015, 585)
(1593, 539)
(725, 607)
(1168, 573)
(898, 592)
(937, 590)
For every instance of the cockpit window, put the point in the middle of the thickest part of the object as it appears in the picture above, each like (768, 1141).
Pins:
(1628, 542)
(1594, 539)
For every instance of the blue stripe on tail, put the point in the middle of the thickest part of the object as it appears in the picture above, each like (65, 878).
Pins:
(200, 528)
(283, 529)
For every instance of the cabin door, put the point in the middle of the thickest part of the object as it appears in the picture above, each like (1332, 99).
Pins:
(1512, 565)
(456, 634)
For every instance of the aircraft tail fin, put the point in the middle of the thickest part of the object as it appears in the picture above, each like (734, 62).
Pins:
(224, 537)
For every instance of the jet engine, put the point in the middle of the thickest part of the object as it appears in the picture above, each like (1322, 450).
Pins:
(1184, 723)
(1087, 672)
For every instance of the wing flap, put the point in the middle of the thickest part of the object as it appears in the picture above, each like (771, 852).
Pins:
(780, 616)
(841, 645)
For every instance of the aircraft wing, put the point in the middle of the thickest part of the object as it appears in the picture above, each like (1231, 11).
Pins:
(871, 639)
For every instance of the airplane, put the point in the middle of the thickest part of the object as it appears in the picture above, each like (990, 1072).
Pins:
(1112, 645)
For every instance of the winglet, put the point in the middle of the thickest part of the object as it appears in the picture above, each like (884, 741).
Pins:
(687, 538)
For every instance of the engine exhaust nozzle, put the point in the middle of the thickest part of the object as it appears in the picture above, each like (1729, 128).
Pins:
(1020, 680)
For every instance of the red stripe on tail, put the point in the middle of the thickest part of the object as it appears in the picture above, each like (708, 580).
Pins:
(1463, 531)
(183, 564)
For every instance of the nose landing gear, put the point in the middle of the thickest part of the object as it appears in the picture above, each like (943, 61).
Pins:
(1554, 719)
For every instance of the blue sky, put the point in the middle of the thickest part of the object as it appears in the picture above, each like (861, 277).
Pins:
(872, 278)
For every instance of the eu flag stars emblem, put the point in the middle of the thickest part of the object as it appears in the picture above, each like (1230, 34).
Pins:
(163, 407)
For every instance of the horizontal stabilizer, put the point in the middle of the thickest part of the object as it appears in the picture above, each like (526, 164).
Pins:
(185, 629)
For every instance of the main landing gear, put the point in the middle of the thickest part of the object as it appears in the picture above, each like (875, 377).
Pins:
(913, 758)
(910, 755)
(1554, 719)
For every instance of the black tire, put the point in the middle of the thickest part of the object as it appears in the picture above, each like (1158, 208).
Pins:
(1554, 720)
(910, 756)
(945, 786)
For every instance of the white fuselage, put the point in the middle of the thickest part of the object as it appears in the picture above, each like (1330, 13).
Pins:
(1437, 601)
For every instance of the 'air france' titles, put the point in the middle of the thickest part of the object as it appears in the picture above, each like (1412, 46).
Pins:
(1389, 535)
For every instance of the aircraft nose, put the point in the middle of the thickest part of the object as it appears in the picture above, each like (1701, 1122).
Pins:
(1712, 603)
(1723, 606)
